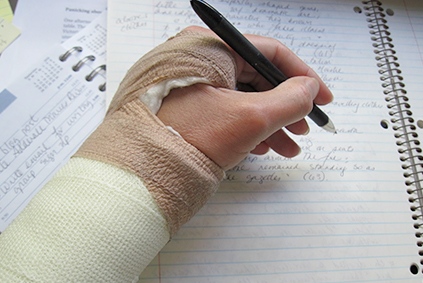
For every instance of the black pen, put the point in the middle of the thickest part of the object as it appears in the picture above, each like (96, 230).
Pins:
(226, 31)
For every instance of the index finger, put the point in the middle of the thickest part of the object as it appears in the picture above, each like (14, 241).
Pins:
(281, 56)
(285, 60)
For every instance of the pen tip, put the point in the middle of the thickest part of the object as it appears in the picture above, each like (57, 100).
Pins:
(330, 127)
(207, 13)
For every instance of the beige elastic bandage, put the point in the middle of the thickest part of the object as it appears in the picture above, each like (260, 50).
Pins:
(178, 175)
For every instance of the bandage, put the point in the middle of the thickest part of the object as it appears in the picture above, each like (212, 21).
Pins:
(179, 176)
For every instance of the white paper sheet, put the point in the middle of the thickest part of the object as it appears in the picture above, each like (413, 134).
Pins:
(44, 23)
(340, 211)
(45, 115)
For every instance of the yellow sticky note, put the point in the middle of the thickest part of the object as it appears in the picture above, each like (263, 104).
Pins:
(8, 33)
(6, 11)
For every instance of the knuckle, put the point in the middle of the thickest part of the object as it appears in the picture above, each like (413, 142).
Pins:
(304, 98)
(254, 115)
(191, 28)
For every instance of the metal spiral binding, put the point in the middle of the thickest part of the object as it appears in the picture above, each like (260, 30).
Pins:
(399, 109)
(81, 62)
(94, 72)
(65, 55)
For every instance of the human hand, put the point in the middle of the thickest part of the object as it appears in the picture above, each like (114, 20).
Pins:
(226, 125)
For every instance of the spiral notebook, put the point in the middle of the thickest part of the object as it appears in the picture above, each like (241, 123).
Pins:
(47, 113)
(349, 207)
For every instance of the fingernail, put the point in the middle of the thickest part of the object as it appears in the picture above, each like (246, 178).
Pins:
(312, 84)
(307, 132)
(299, 151)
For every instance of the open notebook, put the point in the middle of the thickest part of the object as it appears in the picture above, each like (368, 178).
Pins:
(348, 208)
(47, 112)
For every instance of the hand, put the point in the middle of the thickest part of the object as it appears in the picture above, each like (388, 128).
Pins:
(227, 125)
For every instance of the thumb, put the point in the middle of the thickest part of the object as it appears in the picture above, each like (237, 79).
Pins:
(226, 125)
(287, 104)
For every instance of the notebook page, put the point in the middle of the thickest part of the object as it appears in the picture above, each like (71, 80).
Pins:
(135, 27)
(338, 212)
(45, 115)
(130, 27)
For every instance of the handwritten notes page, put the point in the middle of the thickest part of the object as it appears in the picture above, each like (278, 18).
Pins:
(46, 115)
(339, 212)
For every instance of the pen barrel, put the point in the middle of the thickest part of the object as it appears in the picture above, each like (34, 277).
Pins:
(258, 61)
(318, 116)
(241, 45)
(249, 52)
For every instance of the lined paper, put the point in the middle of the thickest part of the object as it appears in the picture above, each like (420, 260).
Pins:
(340, 211)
